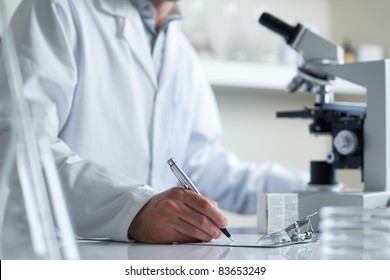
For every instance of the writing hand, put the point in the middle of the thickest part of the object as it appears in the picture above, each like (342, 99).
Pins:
(177, 215)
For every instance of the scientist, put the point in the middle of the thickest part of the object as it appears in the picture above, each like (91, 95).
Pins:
(118, 90)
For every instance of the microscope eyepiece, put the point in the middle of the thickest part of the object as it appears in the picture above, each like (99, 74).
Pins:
(288, 32)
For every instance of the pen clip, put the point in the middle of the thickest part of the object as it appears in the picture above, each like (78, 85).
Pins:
(181, 176)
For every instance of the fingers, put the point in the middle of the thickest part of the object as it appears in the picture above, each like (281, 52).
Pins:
(197, 225)
(206, 208)
(184, 219)
(203, 219)
(177, 215)
(187, 232)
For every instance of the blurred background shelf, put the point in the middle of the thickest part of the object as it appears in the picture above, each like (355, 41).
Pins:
(261, 76)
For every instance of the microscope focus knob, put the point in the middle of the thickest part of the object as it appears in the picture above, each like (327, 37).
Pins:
(346, 142)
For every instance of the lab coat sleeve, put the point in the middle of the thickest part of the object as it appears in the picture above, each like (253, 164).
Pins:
(219, 173)
(102, 203)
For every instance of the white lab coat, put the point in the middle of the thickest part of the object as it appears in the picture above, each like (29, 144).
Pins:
(90, 80)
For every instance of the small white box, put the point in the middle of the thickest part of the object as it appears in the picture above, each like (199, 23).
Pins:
(275, 211)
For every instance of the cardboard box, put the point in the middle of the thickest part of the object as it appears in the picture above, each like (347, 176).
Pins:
(276, 211)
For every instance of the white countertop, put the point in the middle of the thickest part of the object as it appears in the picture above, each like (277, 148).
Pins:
(97, 250)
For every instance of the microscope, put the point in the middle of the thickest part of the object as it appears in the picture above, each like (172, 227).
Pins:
(360, 132)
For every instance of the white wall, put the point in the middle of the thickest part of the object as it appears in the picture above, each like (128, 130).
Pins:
(361, 21)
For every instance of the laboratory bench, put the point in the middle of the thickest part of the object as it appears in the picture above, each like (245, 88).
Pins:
(221, 249)
(104, 250)
(110, 250)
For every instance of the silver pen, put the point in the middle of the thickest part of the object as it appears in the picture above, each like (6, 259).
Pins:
(186, 182)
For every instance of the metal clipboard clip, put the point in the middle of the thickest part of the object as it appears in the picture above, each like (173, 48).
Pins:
(300, 231)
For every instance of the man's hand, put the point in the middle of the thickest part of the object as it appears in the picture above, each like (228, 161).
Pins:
(177, 215)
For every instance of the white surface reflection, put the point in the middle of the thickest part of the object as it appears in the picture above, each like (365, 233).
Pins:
(96, 250)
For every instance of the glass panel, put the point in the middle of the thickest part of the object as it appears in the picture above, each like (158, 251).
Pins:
(34, 221)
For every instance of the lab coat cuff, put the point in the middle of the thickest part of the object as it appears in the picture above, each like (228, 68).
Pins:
(133, 211)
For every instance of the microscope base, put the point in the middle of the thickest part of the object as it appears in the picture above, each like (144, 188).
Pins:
(313, 201)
